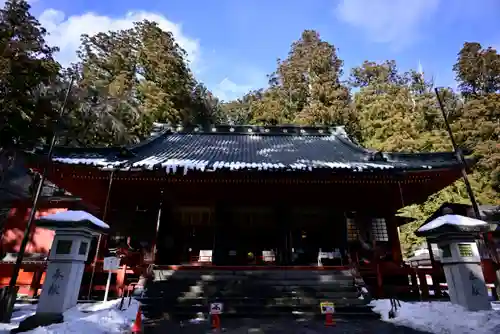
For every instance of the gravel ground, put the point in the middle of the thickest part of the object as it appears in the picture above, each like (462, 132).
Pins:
(278, 326)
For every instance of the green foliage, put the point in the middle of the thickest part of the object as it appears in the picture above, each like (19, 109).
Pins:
(27, 71)
(305, 89)
(398, 112)
(127, 79)
(477, 70)
(391, 111)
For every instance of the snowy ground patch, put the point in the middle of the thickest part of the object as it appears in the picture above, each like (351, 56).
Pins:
(95, 318)
(21, 312)
(441, 317)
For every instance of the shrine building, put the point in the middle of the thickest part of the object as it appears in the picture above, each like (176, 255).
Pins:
(252, 195)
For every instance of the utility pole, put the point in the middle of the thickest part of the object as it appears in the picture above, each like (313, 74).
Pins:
(460, 157)
(12, 291)
(491, 250)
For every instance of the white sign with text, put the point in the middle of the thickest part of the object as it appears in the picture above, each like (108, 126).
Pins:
(216, 308)
(111, 263)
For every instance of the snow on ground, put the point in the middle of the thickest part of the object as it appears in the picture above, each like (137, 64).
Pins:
(95, 318)
(441, 317)
(21, 312)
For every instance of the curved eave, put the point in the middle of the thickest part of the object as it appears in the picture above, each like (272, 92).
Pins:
(247, 148)
(207, 166)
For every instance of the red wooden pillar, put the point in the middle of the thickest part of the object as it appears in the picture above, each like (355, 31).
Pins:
(422, 277)
(120, 280)
(35, 281)
(376, 261)
(392, 231)
(154, 247)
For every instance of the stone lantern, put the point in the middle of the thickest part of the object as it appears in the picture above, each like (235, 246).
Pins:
(456, 236)
(74, 231)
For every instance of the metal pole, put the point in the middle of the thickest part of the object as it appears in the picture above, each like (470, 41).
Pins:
(484, 242)
(12, 293)
(460, 157)
(158, 221)
(108, 283)
(104, 215)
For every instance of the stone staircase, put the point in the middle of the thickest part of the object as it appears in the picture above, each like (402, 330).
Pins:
(182, 294)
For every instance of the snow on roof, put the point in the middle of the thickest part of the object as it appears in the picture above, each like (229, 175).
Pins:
(455, 220)
(75, 217)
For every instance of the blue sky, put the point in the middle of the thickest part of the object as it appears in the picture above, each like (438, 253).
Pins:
(233, 44)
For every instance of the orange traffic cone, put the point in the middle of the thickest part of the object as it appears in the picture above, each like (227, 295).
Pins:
(215, 322)
(329, 320)
(137, 326)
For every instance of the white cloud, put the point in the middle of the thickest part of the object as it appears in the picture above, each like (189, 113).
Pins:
(228, 90)
(65, 31)
(387, 21)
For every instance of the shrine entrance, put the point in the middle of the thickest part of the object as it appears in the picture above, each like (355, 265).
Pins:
(317, 237)
(186, 235)
(249, 236)
(244, 235)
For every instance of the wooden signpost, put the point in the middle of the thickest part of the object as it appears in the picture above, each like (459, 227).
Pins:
(110, 264)
(216, 310)
(328, 309)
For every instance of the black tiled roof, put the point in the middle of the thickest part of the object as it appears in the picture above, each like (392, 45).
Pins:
(247, 147)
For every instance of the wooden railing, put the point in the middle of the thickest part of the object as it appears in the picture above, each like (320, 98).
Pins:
(414, 281)
(32, 276)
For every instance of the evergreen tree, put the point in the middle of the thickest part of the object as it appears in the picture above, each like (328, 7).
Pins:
(306, 88)
(205, 107)
(27, 70)
(129, 79)
(477, 70)
(168, 85)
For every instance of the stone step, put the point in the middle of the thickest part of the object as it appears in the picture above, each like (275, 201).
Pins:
(283, 294)
(168, 291)
(339, 315)
(254, 293)
(350, 300)
(277, 283)
(269, 275)
(157, 310)
(172, 295)
(281, 285)
(265, 291)
(362, 311)
(255, 310)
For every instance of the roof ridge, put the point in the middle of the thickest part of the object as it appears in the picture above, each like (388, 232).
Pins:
(300, 130)
(159, 131)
